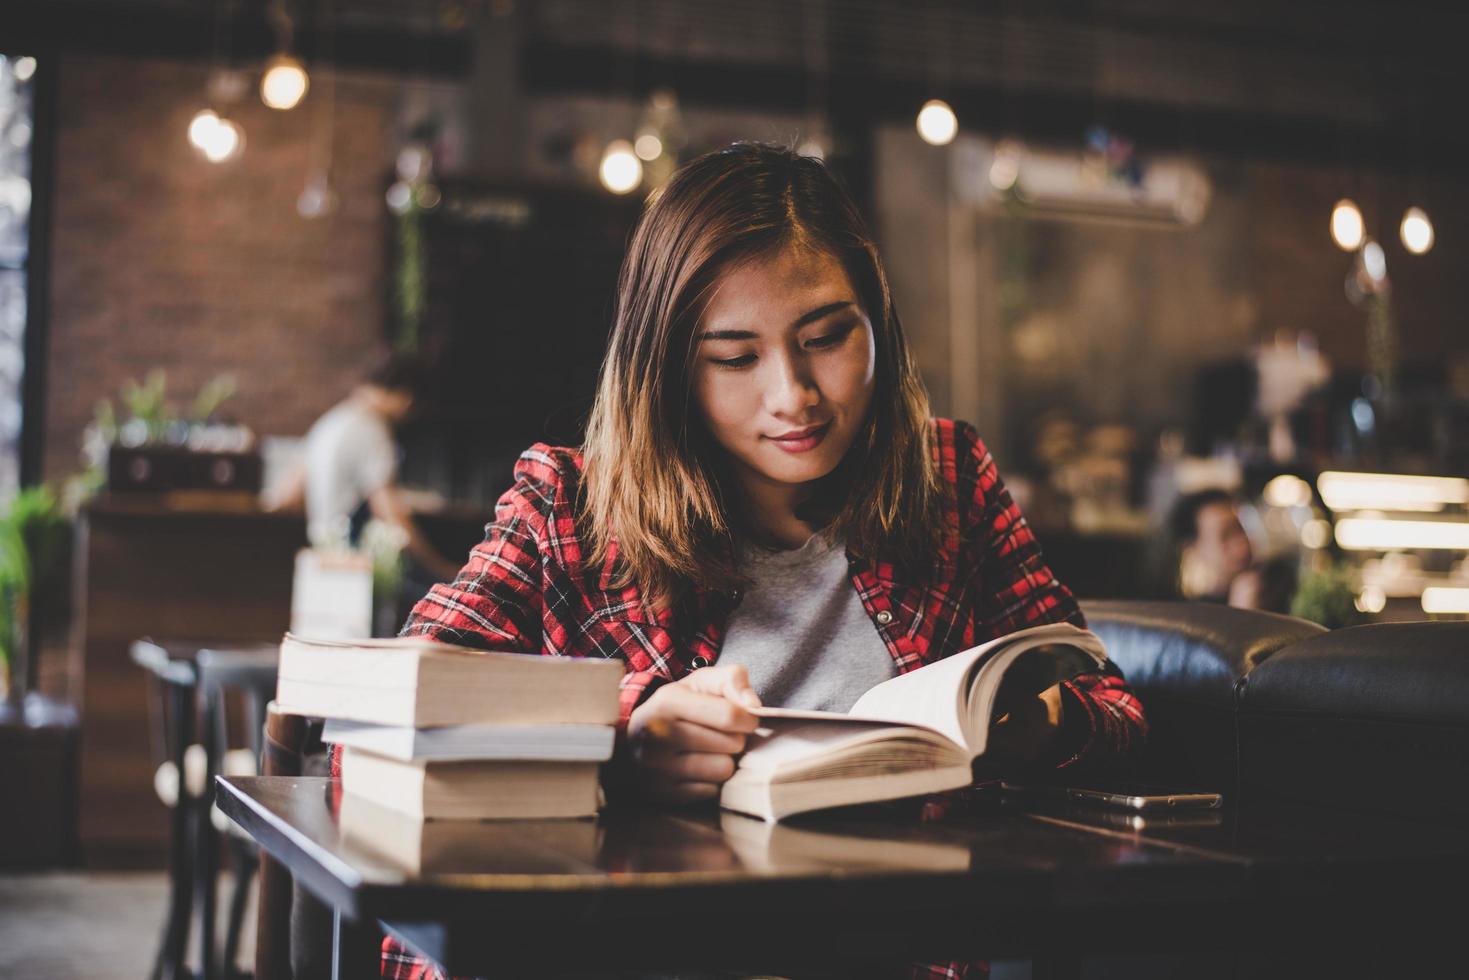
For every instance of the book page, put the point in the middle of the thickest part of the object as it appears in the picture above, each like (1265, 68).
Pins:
(784, 741)
(955, 695)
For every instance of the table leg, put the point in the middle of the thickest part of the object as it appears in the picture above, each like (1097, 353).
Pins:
(180, 841)
(207, 842)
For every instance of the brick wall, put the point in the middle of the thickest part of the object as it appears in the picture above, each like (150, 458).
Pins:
(161, 259)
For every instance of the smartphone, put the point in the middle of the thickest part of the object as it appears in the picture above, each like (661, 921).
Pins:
(1139, 797)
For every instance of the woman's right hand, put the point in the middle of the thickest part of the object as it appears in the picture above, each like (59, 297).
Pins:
(685, 737)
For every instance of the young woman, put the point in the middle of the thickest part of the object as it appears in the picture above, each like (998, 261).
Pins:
(763, 511)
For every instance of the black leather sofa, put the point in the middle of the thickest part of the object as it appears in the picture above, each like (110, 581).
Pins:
(1187, 662)
(1267, 708)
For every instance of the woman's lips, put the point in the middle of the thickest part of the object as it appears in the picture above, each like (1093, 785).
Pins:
(804, 443)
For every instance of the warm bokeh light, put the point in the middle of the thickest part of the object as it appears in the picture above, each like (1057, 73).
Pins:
(1417, 231)
(284, 83)
(201, 128)
(937, 123)
(399, 197)
(1287, 491)
(219, 139)
(1004, 171)
(1385, 534)
(648, 147)
(1372, 600)
(1315, 534)
(25, 67)
(317, 199)
(1387, 491)
(1346, 225)
(1374, 261)
(621, 170)
(1445, 599)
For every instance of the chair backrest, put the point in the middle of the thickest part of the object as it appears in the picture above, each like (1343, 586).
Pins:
(1369, 718)
(1185, 661)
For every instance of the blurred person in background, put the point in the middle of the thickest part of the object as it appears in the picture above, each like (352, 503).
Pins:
(1213, 560)
(349, 467)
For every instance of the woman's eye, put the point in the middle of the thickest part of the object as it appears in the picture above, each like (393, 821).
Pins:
(735, 362)
(831, 339)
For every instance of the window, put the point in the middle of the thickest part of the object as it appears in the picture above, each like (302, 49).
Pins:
(16, 131)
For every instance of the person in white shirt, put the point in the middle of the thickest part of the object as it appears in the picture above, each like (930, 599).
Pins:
(351, 458)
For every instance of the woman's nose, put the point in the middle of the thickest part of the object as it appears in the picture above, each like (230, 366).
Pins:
(791, 387)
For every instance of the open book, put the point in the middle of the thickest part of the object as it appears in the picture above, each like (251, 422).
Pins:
(916, 733)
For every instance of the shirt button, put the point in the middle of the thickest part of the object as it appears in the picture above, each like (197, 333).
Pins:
(699, 661)
(884, 617)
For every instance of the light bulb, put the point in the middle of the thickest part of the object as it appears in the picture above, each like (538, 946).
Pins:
(399, 197)
(648, 146)
(1005, 169)
(317, 199)
(202, 127)
(621, 170)
(937, 123)
(284, 83)
(1346, 225)
(222, 141)
(25, 67)
(1417, 231)
(1374, 260)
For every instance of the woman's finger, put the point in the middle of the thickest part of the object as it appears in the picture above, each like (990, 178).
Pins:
(709, 710)
(703, 767)
(730, 681)
(689, 736)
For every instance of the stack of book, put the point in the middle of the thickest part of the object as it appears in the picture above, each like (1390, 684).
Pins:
(436, 731)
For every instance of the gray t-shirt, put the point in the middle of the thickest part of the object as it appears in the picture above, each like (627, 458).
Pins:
(801, 630)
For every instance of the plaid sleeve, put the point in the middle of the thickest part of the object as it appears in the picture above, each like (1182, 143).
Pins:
(1017, 589)
(495, 602)
(1101, 717)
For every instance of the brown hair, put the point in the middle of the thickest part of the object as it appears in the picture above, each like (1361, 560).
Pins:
(651, 480)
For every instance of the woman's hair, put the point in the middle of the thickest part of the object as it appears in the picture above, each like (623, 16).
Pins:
(654, 480)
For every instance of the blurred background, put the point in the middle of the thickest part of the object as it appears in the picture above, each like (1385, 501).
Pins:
(1196, 272)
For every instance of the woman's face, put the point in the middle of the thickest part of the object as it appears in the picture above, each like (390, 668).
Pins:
(783, 366)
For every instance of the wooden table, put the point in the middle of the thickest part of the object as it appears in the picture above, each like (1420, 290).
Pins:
(652, 889)
(1280, 892)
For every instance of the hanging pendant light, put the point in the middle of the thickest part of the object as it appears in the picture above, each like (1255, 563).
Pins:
(937, 123)
(284, 83)
(1416, 231)
(1347, 228)
(621, 171)
(217, 138)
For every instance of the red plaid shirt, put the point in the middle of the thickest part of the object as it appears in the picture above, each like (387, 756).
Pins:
(524, 588)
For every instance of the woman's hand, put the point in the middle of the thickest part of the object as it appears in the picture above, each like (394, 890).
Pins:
(685, 737)
(1024, 731)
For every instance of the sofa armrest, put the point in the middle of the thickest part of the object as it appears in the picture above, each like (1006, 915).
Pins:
(1185, 661)
(1369, 718)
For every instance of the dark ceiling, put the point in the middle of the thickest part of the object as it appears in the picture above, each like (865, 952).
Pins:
(1367, 79)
